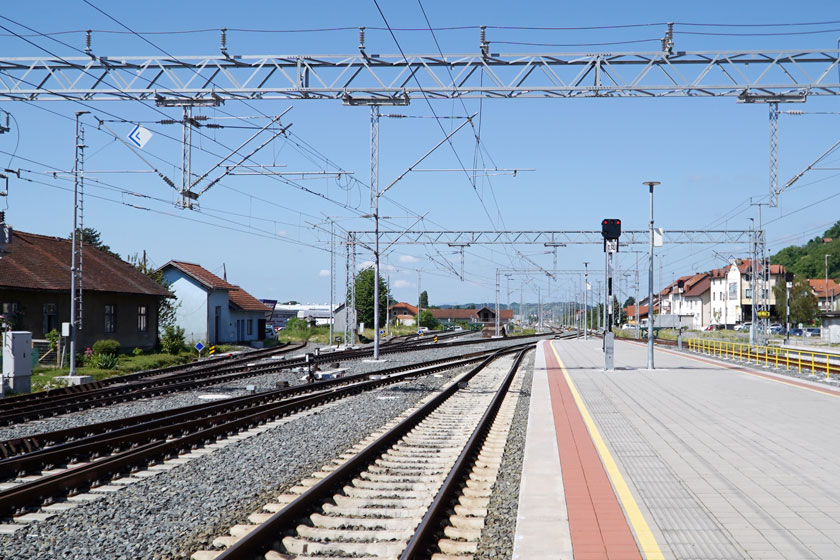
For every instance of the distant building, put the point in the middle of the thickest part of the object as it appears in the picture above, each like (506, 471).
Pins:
(118, 301)
(828, 295)
(694, 301)
(731, 290)
(403, 314)
(211, 309)
(309, 312)
(483, 315)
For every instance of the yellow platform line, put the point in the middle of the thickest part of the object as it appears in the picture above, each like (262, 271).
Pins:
(647, 542)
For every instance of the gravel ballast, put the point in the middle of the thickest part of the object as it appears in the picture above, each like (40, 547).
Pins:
(496, 540)
(182, 510)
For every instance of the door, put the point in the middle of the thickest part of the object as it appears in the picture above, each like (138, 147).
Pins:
(217, 323)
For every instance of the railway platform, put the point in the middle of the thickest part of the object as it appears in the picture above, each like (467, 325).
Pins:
(697, 459)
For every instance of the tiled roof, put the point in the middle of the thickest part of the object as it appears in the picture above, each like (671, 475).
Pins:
(245, 301)
(818, 286)
(236, 295)
(699, 287)
(201, 274)
(407, 306)
(744, 267)
(40, 262)
(467, 314)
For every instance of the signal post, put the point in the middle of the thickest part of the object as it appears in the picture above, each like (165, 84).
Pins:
(610, 231)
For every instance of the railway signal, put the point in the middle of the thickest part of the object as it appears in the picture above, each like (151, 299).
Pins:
(610, 231)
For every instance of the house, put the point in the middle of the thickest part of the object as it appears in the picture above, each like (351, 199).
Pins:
(118, 301)
(731, 291)
(211, 309)
(403, 314)
(484, 315)
(693, 301)
(827, 299)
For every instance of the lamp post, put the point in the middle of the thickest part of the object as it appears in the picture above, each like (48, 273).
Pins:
(585, 298)
(826, 282)
(650, 185)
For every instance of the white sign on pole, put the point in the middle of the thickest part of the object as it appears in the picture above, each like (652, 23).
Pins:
(139, 136)
(658, 235)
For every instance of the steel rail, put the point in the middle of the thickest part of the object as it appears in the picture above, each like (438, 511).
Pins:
(268, 535)
(120, 393)
(423, 540)
(158, 443)
(36, 442)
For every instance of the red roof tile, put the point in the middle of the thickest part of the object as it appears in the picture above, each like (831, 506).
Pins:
(818, 286)
(40, 262)
(201, 274)
(245, 301)
(412, 310)
(236, 295)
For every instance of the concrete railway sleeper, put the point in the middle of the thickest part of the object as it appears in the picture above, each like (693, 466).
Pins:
(391, 496)
(63, 403)
(53, 441)
(151, 445)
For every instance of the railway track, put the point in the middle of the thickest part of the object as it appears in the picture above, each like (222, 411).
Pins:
(52, 404)
(51, 467)
(392, 495)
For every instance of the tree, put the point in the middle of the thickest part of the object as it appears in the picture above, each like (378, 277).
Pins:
(424, 299)
(630, 301)
(167, 307)
(364, 297)
(428, 320)
(803, 302)
(90, 236)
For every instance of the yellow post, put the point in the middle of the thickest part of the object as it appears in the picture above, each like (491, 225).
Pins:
(799, 366)
(787, 359)
(827, 368)
(776, 352)
(766, 356)
(813, 367)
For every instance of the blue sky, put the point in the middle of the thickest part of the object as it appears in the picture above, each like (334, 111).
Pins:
(590, 156)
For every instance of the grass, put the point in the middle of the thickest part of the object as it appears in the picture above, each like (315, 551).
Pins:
(43, 377)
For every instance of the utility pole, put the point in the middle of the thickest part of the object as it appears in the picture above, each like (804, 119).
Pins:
(650, 184)
(374, 199)
(419, 303)
(76, 256)
(754, 317)
(827, 308)
(788, 286)
(332, 281)
(585, 298)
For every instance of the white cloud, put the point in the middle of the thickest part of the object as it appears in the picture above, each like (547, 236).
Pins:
(324, 272)
(408, 259)
(402, 284)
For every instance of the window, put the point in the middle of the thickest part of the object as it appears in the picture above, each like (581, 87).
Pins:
(50, 317)
(110, 318)
(250, 327)
(748, 293)
(142, 319)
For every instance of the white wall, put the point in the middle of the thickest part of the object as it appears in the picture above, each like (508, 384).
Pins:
(191, 314)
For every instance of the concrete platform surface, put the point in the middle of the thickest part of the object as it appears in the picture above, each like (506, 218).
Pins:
(707, 461)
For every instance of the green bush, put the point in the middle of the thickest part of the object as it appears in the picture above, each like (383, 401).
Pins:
(137, 352)
(103, 361)
(172, 341)
(53, 337)
(106, 346)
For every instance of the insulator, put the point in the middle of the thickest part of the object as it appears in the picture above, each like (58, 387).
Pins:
(87, 42)
(361, 38)
(167, 121)
(223, 46)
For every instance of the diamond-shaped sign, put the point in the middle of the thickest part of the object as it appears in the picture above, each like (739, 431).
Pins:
(199, 346)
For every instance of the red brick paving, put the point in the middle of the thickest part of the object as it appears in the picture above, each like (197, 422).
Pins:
(599, 529)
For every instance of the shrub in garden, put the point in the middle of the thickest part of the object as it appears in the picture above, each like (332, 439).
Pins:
(172, 341)
(106, 346)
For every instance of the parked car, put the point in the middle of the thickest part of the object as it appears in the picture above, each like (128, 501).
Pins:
(743, 327)
(777, 329)
(628, 327)
(797, 332)
(813, 331)
(269, 333)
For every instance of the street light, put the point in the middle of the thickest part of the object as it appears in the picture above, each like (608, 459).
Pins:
(650, 185)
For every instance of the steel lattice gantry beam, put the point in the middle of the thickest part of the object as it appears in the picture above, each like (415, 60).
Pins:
(546, 238)
(748, 75)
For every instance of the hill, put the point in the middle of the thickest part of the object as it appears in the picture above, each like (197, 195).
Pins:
(809, 260)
